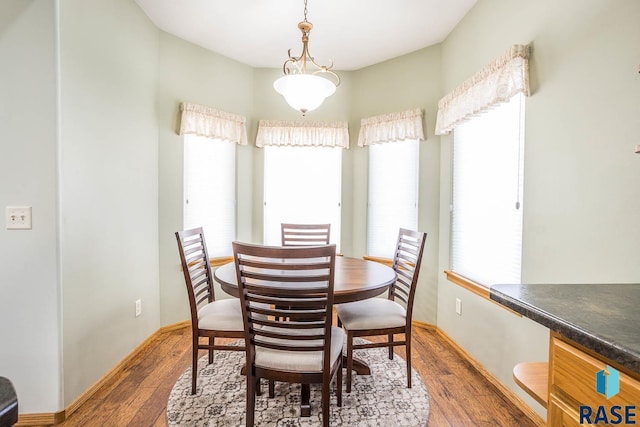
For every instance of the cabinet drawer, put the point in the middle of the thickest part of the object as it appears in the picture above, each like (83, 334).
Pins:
(573, 374)
(559, 415)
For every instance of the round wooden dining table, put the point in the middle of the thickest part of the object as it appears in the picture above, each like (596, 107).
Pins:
(355, 279)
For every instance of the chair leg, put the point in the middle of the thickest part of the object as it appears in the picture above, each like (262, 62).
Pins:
(408, 348)
(326, 387)
(272, 389)
(251, 400)
(194, 364)
(390, 347)
(349, 360)
(305, 400)
(339, 383)
(212, 341)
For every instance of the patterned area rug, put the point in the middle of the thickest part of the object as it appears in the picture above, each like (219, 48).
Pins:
(379, 399)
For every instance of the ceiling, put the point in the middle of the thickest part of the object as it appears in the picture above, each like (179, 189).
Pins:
(352, 33)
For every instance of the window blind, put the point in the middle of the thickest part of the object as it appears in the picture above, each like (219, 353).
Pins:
(486, 227)
(209, 191)
(393, 194)
(302, 185)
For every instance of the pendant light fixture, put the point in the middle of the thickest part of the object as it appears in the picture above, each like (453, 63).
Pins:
(304, 89)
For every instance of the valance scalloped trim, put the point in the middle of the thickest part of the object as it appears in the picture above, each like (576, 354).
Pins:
(211, 123)
(302, 134)
(497, 82)
(391, 127)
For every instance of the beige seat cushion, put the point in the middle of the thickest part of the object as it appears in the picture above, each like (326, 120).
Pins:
(372, 313)
(221, 315)
(299, 361)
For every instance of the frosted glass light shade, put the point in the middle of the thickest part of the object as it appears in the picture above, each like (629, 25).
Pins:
(304, 92)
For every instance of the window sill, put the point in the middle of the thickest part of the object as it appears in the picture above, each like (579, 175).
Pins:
(217, 262)
(468, 284)
(214, 262)
(386, 261)
(475, 287)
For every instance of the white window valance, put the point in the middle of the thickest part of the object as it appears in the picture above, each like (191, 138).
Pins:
(302, 134)
(391, 127)
(211, 123)
(497, 82)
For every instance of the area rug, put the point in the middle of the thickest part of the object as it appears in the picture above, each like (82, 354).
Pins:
(379, 399)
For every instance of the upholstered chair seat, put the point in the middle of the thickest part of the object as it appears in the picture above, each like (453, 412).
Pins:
(221, 315)
(298, 361)
(374, 313)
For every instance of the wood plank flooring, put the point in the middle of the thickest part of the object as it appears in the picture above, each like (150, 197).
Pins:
(458, 394)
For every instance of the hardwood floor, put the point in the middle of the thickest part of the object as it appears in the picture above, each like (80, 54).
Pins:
(458, 394)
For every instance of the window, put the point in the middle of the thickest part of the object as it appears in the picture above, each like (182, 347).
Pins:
(209, 191)
(393, 194)
(301, 185)
(486, 226)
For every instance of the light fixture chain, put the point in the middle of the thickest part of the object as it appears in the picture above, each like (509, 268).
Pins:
(305, 11)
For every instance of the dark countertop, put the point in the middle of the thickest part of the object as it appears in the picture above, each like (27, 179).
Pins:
(602, 317)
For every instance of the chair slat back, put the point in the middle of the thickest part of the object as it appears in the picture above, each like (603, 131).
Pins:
(406, 263)
(286, 296)
(305, 234)
(196, 268)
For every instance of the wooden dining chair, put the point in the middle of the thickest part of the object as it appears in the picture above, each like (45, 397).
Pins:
(294, 345)
(380, 316)
(305, 234)
(210, 318)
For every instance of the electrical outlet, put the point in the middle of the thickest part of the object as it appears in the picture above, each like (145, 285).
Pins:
(18, 218)
(458, 306)
(138, 307)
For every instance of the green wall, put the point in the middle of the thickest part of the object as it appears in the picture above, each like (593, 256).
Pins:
(30, 335)
(108, 170)
(581, 199)
(188, 73)
(410, 81)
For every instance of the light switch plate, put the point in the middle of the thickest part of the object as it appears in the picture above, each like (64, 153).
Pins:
(18, 218)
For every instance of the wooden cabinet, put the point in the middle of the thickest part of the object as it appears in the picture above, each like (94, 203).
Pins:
(561, 415)
(571, 382)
